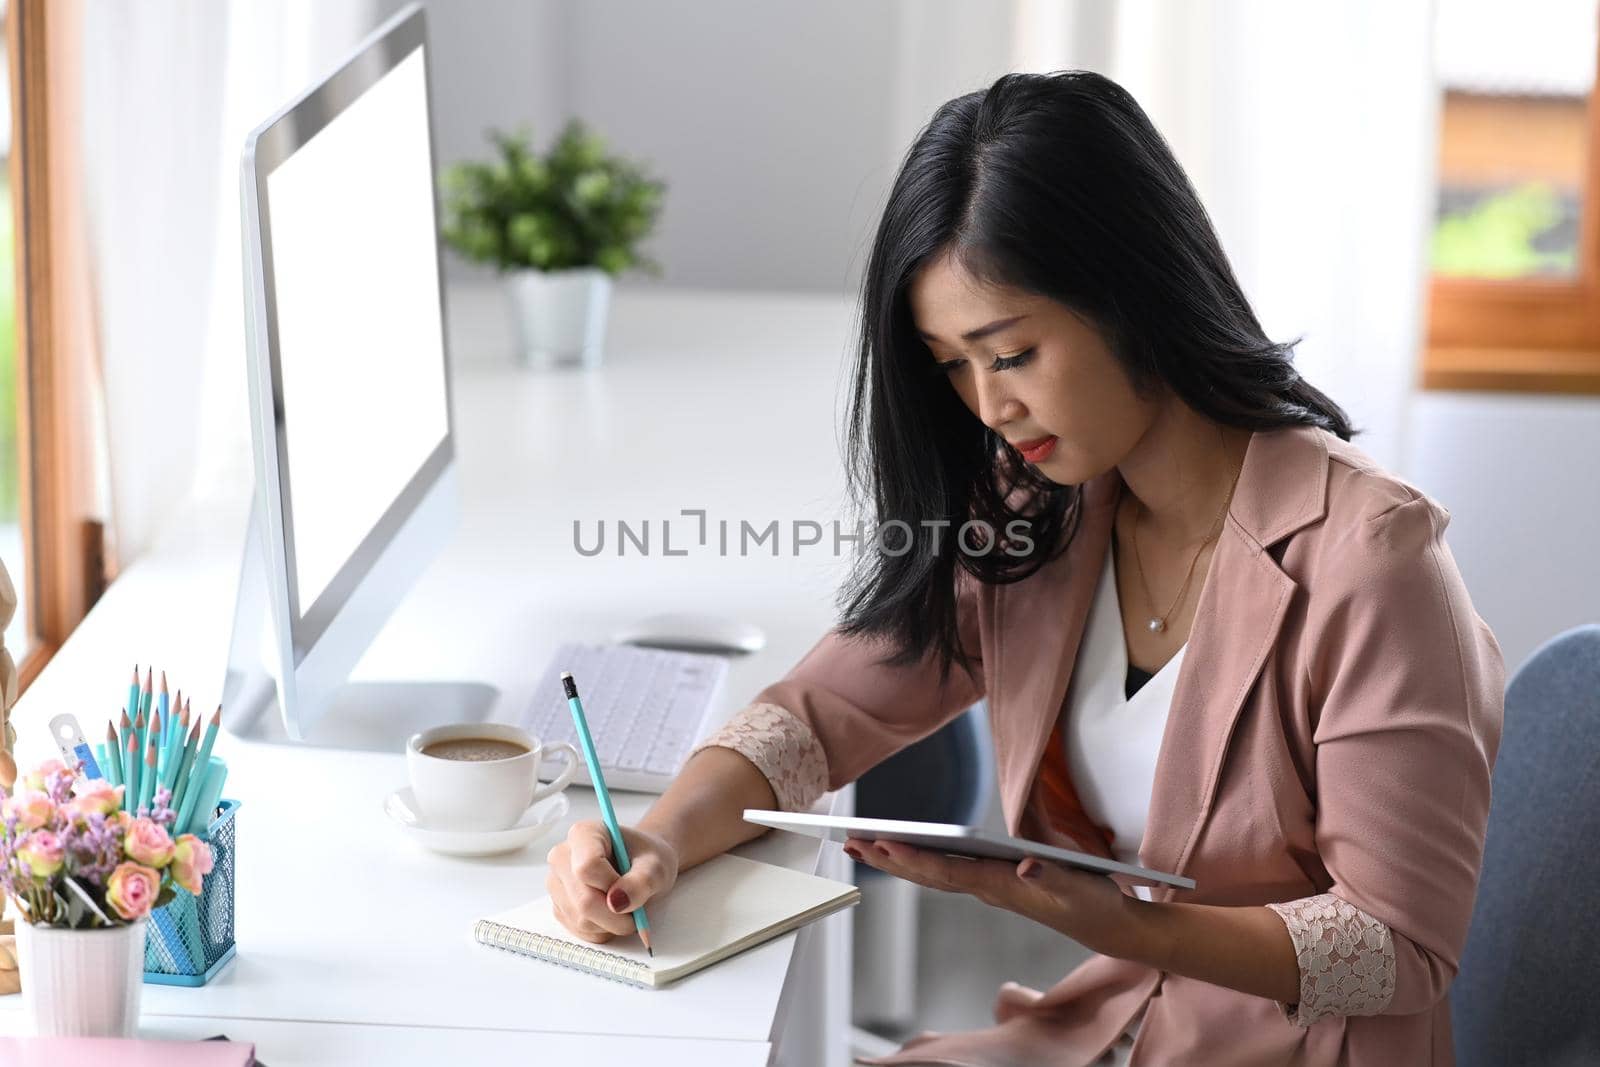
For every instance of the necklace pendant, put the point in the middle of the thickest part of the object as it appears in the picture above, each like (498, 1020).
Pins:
(1157, 625)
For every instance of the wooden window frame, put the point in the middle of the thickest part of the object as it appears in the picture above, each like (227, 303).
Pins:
(63, 541)
(1531, 336)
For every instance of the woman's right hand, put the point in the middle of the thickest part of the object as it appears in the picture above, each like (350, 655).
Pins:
(588, 895)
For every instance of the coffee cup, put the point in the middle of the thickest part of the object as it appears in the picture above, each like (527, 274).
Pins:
(481, 776)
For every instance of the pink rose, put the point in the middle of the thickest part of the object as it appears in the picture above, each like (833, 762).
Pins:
(147, 842)
(131, 890)
(39, 778)
(97, 797)
(32, 808)
(191, 861)
(41, 852)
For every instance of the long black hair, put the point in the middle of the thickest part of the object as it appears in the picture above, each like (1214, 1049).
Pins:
(1055, 184)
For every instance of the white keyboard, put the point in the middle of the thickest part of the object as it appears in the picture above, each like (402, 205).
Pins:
(644, 706)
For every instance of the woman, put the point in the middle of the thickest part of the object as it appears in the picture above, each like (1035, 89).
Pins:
(1215, 638)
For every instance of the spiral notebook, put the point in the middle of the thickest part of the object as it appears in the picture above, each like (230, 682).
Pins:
(717, 909)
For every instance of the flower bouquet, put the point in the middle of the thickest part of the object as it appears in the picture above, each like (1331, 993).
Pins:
(84, 875)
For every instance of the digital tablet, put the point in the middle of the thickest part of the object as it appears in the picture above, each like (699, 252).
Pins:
(968, 841)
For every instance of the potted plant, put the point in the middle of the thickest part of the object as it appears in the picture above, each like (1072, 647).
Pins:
(84, 875)
(559, 228)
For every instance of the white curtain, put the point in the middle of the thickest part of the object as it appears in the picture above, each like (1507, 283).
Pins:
(170, 90)
(1310, 131)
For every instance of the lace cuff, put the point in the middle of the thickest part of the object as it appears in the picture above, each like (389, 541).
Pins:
(1346, 959)
(782, 747)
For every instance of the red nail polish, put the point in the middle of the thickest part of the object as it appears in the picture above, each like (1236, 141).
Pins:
(617, 899)
(853, 854)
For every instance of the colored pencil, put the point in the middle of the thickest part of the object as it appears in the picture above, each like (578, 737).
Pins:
(132, 710)
(174, 744)
(147, 776)
(144, 710)
(185, 761)
(169, 774)
(114, 755)
(192, 790)
(130, 761)
(204, 798)
(641, 922)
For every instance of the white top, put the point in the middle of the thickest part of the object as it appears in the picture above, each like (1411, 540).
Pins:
(1112, 742)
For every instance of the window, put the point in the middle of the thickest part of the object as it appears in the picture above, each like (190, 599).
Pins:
(1514, 302)
(11, 546)
(52, 541)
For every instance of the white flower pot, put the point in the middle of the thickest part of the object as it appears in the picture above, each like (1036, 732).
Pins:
(82, 983)
(559, 317)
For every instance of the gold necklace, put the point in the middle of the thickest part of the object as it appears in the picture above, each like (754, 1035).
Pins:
(1158, 623)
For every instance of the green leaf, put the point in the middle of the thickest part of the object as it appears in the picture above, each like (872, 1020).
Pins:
(574, 206)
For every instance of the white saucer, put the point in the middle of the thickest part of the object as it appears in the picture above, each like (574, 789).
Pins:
(401, 806)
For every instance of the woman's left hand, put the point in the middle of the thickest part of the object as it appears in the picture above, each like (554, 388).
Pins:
(1089, 908)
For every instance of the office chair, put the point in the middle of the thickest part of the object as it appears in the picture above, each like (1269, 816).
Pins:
(948, 776)
(1524, 992)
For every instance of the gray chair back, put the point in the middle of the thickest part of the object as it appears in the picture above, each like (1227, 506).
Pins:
(1526, 989)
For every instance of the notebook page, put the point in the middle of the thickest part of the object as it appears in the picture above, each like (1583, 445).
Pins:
(714, 909)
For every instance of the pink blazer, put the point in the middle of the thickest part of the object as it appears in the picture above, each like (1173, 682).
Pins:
(1328, 753)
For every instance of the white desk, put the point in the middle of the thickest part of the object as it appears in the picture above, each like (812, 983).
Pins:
(722, 402)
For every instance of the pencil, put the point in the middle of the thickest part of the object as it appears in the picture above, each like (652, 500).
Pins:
(180, 781)
(132, 710)
(113, 755)
(175, 742)
(191, 793)
(164, 703)
(126, 734)
(141, 735)
(155, 734)
(641, 922)
(130, 761)
(147, 776)
(169, 777)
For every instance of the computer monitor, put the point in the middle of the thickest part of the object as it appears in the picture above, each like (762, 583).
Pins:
(349, 379)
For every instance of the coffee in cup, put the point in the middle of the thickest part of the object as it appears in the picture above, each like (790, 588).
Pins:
(481, 776)
(474, 749)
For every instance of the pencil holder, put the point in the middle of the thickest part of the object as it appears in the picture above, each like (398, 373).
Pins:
(190, 938)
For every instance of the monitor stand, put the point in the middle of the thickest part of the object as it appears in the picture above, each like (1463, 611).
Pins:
(376, 716)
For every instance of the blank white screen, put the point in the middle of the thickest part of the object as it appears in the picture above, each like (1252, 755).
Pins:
(360, 340)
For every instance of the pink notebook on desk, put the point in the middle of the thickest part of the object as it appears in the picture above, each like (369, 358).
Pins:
(122, 1052)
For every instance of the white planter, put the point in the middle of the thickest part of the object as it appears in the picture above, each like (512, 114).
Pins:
(82, 983)
(559, 317)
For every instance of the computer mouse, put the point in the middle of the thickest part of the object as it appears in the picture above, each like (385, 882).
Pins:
(690, 632)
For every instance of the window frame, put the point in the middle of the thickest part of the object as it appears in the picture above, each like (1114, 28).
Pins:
(63, 541)
(1534, 335)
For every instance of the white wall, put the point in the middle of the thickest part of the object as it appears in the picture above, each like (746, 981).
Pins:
(1521, 478)
(777, 127)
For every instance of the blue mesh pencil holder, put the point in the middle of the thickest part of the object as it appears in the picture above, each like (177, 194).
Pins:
(190, 939)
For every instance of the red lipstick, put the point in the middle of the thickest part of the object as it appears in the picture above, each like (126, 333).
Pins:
(1037, 450)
